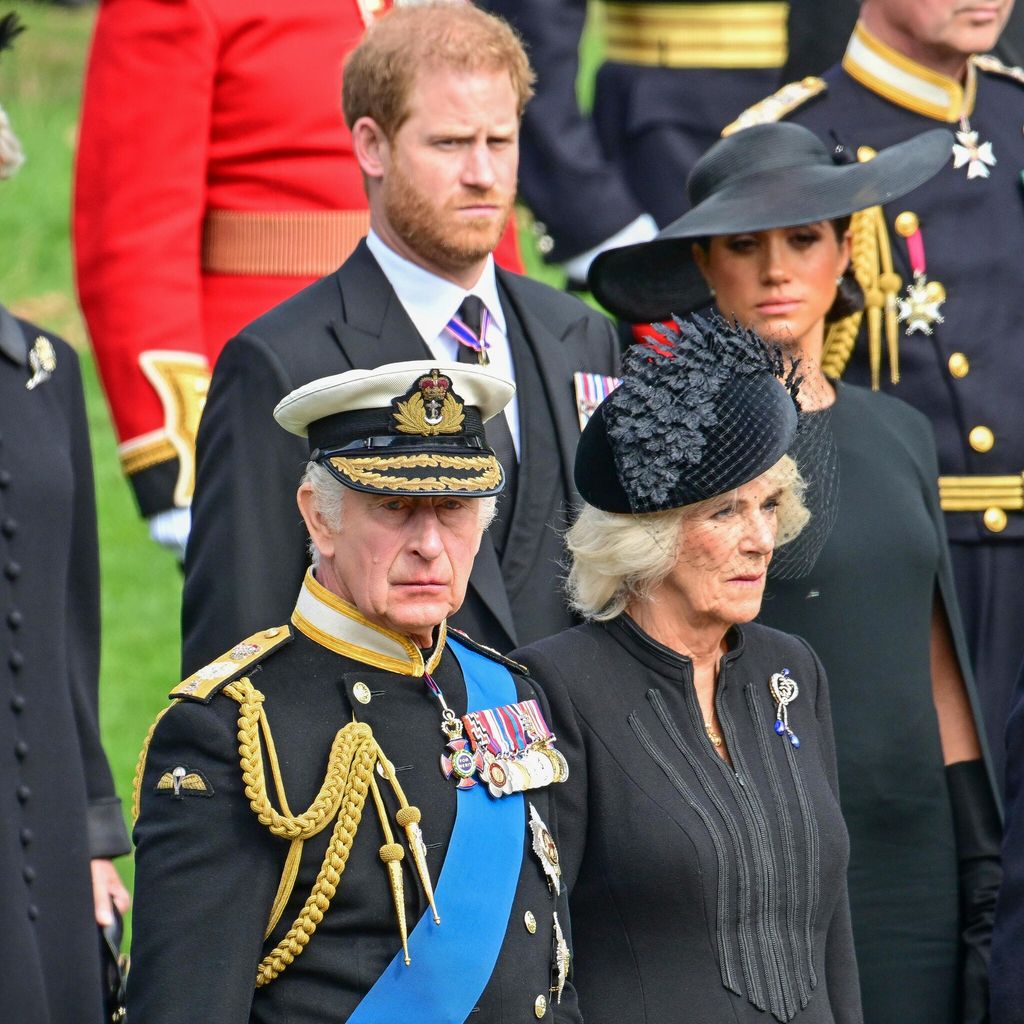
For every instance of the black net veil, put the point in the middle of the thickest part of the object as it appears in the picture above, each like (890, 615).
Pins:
(701, 412)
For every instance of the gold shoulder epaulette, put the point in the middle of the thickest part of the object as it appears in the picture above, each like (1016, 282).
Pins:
(204, 685)
(994, 66)
(488, 652)
(778, 105)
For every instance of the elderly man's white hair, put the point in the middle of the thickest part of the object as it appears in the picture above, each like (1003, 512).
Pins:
(329, 498)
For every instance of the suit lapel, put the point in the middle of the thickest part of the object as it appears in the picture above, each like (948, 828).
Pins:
(555, 371)
(374, 327)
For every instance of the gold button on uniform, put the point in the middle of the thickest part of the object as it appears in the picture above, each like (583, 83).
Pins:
(866, 153)
(271, 633)
(959, 365)
(530, 921)
(540, 1007)
(907, 223)
(361, 692)
(994, 520)
(981, 439)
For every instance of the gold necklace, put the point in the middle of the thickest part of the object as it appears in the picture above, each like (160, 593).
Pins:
(715, 738)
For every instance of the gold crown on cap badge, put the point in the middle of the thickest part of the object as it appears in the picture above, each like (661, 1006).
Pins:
(431, 407)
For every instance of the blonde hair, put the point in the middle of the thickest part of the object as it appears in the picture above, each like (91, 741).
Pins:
(620, 558)
(381, 71)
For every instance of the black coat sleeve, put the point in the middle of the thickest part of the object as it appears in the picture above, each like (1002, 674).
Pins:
(107, 836)
(1006, 974)
(841, 974)
(244, 562)
(204, 878)
(565, 178)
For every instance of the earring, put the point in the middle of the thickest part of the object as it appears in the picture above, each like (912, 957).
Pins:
(839, 280)
(713, 292)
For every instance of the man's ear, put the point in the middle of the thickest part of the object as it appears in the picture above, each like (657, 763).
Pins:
(319, 534)
(371, 146)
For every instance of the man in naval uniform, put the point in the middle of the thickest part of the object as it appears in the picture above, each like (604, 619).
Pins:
(940, 269)
(346, 817)
(433, 96)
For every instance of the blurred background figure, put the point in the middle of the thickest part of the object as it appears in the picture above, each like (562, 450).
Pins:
(767, 240)
(61, 818)
(940, 272)
(673, 75)
(215, 178)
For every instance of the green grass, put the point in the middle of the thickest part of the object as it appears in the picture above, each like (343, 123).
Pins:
(40, 87)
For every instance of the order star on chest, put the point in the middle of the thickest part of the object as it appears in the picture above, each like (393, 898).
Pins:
(921, 308)
(977, 157)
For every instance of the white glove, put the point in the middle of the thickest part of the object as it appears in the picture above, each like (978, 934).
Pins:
(170, 529)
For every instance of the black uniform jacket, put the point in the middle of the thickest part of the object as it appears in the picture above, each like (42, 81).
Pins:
(705, 892)
(57, 804)
(207, 869)
(249, 468)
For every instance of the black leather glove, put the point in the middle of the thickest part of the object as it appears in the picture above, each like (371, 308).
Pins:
(978, 829)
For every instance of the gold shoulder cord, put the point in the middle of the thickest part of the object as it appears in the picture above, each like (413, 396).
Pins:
(871, 259)
(353, 757)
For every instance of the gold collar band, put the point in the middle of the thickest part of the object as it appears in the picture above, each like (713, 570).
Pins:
(900, 80)
(335, 624)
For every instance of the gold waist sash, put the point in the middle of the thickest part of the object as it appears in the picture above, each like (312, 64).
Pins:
(299, 243)
(727, 35)
(980, 493)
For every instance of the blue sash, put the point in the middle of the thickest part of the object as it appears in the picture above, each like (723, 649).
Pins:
(452, 962)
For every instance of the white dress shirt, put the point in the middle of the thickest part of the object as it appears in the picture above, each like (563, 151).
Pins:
(431, 302)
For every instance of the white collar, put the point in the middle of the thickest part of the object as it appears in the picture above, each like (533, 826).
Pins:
(432, 301)
(903, 81)
(335, 624)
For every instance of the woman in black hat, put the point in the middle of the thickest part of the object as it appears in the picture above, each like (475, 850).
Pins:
(708, 871)
(767, 238)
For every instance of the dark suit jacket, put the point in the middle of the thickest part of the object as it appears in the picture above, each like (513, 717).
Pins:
(246, 553)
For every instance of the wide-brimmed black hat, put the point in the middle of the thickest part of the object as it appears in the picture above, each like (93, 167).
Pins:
(414, 428)
(700, 411)
(768, 176)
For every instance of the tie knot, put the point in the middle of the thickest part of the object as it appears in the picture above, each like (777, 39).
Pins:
(471, 313)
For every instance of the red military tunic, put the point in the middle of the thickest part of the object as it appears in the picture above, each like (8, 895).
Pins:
(215, 178)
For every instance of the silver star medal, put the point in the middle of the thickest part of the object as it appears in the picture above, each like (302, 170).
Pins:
(977, 158)
(921, 307)
(43, 361)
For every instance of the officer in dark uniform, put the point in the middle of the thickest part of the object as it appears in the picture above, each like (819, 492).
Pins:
(347, 818)
(940, 269)
(673, 75)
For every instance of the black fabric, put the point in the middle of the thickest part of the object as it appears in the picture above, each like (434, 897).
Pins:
(57, 803)
(697, 887)
(973, 234)
(978, 830)
(866, 609)
(1006, 977)
(246, 553)
(190, 852)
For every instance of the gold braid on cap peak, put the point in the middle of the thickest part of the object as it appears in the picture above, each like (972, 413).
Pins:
(349, 777)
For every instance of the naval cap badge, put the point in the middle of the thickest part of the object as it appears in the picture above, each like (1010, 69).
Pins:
(430, 407)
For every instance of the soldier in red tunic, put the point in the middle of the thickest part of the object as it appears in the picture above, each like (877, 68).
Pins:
(214, 179)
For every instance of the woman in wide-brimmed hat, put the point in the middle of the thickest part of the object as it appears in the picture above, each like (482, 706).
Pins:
(767, 239)
(703, 842)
